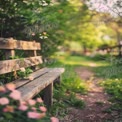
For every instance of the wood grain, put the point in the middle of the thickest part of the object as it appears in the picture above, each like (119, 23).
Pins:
(48, 95)
(13, 65)
(36, 74)
(32, 88)
(10, 43)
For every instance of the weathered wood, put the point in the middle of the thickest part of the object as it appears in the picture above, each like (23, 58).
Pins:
(24, 45)
(31, 89)
(35, 53)
(10, 43)
(34, 75)
(9, 54)
(6, 43)
(41, 79)
(60, 70)
(12, 65)
(48, 95)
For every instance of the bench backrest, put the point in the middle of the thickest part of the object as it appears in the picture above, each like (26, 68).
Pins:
(9, 46)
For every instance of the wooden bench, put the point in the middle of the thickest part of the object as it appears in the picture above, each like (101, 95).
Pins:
(43, 79)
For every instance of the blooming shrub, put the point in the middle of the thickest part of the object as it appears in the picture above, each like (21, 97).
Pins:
(13, 109)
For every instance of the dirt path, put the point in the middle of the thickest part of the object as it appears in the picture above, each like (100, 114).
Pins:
(96, 101)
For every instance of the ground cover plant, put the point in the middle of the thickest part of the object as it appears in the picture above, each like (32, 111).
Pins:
(112, 81)
(13, 109)
(65, 94)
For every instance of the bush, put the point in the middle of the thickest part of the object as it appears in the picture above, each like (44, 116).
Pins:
(13, 109)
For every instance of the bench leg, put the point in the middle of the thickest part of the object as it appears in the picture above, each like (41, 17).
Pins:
(58, 80)
(48, 95)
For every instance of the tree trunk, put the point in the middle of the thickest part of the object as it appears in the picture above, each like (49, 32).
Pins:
(84, 49)
(119, 44)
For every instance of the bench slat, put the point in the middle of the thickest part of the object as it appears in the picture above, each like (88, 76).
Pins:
(10, 43)
(38, 73)
(31, 89)
(21, 82)
(13, 65)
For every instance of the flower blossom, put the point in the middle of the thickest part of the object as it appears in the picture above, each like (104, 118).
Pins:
(23, 102)
(54, 119)
(16, 95)
(43, 109)
(33, 108)
(2, 89)
(23, 107)
(8, 109)
(31, 102)
(35, 115)
(4, 101)
(10, 86)
(39, 100)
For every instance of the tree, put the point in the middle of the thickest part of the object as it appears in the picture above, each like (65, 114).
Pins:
(111, 15)
(16, 14)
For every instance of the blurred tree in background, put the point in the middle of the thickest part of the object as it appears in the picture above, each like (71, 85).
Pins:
(55, 23)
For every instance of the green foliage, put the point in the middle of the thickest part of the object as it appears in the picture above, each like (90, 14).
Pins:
(75, 102)
(5, 78)
(112, 81)
(70, 21)
(114, 88)
(25, 73)
(99, 57)
(59, 109)
(64, 94)
(16, 14)
(13, 109)
(72, 82)
(111, 69)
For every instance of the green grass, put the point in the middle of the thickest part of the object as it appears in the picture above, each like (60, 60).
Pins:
(64, 95)
(114, 88)
(112, 81)
(71, 83)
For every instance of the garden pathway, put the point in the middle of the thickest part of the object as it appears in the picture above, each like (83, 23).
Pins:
(96, 101)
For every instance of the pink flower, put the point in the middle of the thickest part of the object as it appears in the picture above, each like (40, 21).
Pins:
(39, 100)
(31, 102)
(54, 119)
(23, 107)
(16, 95)
(33, 108)
(23, 102)
(2, 89)
(33, 34)
(8, 109)
(43, 109)
(4, 101)
(42, 115)
(35, 115)
(10, 86)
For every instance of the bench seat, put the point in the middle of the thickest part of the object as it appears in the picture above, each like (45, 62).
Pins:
(39, 80)
(43, 79)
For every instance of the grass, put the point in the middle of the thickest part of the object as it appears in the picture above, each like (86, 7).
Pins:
(112, 81)
(64, 95)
